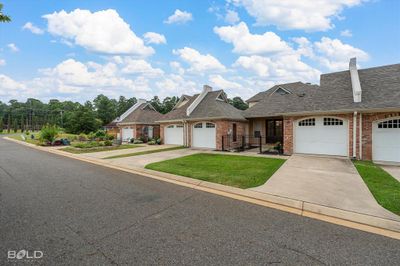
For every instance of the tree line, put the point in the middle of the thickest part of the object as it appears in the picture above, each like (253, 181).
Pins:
(75, 117)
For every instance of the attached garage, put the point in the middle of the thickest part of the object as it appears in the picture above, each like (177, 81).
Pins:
(386, 140)
(322, 135)
(173, 134)
(127, 133)
(204, 135)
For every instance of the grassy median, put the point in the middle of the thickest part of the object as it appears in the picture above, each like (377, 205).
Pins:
(144, 152)
(384, 187)
(231, 170)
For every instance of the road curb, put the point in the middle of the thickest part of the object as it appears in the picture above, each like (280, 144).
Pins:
(377, 225)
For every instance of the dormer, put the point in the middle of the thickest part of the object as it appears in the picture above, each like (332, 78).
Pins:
(282, 91)
(355, 80)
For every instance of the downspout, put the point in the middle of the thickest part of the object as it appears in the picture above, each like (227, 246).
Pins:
(354, 134)
(360, 138)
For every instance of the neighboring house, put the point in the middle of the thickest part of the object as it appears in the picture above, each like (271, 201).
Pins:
(112, 128)
(202, 120)
(139, 122)
(329, 119)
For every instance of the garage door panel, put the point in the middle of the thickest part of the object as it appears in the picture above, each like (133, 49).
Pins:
(173, 135)
(204, 135)
(386, 140)
(317, 137)
(127, 133)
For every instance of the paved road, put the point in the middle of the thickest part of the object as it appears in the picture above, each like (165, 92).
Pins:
(82, 214)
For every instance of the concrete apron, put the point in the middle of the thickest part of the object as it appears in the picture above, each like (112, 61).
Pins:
(328, 181)
(369, 223)
(392, 170)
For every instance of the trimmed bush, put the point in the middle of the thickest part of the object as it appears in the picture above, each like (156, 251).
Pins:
(108, 143)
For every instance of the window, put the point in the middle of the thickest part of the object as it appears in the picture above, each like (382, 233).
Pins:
(307, 122)
(234, 133)
(257, 134)
(199, 125)
(179, 126)
(395, 123)
(210, 125)
(171, 126)
(328, 121)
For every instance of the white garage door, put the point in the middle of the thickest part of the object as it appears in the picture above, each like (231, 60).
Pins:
(174, 134)
(127, 133)
(204, 135)
(321, 135)
(386, 140)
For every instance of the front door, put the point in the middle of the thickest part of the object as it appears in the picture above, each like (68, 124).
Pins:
(274, 131)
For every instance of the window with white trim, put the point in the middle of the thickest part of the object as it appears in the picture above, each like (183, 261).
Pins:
(179, 126)
(307, 122)
(199, 125)
(330, 121)
(394, 123)
(171, 126)
(210, 125)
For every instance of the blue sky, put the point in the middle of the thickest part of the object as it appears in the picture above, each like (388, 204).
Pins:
(77, 49)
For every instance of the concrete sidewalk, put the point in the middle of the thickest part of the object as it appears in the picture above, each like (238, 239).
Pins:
(328, 181)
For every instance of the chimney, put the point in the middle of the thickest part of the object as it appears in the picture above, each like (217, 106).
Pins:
(207, 88)
(355, 80)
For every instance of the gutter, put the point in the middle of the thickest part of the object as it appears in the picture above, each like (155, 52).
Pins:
(201, 119)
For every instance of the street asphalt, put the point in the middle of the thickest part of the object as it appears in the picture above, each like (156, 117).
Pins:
(77, 213)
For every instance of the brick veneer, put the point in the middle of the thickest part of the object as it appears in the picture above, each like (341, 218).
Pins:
(222, 129)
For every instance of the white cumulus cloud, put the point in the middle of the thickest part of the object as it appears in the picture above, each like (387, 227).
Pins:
(179, 17)
(153, 37)
(220, 82)
(13, 47)
(335, 55)
(246, 43)
(231, 17)
(346, 33)
(309, 15)
(102, 31)
(140, 66)
(32, 28)
(198, 62)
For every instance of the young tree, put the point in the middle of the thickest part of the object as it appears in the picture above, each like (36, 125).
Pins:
(169, 103)
(3, 17)
(82, 120)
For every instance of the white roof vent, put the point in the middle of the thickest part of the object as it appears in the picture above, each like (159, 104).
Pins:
(355, 80)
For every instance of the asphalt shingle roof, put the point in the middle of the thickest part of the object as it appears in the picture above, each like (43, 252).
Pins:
(142, 115)
(380, 90)
(209, 107)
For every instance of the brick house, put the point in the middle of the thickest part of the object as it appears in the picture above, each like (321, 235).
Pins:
(138, 122)
(354, 113)
(202, 121)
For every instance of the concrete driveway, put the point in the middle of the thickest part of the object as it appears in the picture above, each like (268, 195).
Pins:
(392, 170)
(329, 181)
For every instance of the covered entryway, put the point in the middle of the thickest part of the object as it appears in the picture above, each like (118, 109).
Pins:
(173, 134)
(204, 135)
(127, 133)
(386, 140)
(321, 135)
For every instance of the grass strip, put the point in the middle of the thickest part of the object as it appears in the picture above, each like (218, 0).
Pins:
(144, 152)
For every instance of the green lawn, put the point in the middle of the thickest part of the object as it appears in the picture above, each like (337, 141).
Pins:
(144, 152)
(231, 170)
(384, 187)
(98, 149)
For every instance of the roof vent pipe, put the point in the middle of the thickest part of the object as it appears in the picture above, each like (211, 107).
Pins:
(355, 80)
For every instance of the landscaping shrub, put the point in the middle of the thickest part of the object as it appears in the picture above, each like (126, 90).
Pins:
(82, 137)
(137, 141)
(48, 133)
(108, 143)
(158, 141)
(152, 142)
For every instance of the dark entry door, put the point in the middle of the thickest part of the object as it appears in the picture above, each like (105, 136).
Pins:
(274, 130)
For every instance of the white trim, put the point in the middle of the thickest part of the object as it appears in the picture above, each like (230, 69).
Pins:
(197, 101)
(360, 138)
(223, 96)
(281, 88)
(354, 134)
